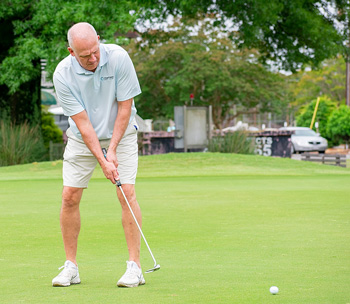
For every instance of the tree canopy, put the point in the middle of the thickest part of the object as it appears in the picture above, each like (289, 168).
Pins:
(206, 65)
(35, 30)
(40, 31)
(328, 80)
(293, 33)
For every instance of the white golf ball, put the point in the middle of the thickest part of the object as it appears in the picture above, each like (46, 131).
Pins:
(274, 290)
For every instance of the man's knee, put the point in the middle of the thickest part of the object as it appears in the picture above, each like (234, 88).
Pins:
(71, 197)
(129, 191)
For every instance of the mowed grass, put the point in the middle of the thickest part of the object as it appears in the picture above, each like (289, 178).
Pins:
(223, 227)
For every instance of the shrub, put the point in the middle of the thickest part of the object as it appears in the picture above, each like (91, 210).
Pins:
(232, 142)
(20, 144)
(338, 126)
(50, 131)
(325, 108)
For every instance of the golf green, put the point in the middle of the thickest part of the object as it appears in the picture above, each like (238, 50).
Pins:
(223, 227)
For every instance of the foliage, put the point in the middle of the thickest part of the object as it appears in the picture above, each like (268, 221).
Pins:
(20, 144)
(35, 30)
(232, 142)
(24, 104)
(338, 127)
(325, 108)
(206, 65)
(50, 131)
(291, 33)
(42, 35)
(329, 80)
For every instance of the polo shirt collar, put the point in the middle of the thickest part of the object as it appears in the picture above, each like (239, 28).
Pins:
(80, 70)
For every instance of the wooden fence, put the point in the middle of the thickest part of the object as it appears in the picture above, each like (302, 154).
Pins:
(328, 159)
(56, 151)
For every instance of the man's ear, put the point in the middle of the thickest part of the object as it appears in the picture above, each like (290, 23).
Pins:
(71, 51)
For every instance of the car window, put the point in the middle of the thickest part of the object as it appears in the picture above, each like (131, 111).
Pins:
(305, 133)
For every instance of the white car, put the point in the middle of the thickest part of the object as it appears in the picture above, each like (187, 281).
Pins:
(304, 139)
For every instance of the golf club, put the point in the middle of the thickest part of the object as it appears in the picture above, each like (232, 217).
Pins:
(119, 185)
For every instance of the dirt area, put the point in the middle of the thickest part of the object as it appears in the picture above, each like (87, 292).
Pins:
(338, 150)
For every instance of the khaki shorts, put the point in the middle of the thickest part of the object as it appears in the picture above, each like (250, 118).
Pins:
(79, 163)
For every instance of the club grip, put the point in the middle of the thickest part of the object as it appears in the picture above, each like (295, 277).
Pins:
(104, 151)
(117, 181)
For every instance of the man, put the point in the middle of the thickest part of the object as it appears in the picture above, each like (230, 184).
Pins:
(96, 85)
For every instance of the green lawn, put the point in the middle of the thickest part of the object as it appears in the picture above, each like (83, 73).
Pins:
(223, 227)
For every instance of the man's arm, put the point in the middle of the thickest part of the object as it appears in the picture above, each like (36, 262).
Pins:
(120, 125)
(91, 140)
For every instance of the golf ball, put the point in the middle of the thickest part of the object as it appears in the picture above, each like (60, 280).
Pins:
(274, 290)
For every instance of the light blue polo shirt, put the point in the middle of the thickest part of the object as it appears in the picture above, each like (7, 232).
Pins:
(97, 92)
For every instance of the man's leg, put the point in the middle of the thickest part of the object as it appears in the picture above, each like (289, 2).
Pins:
(133, 276)
(70, 227)
(70, 221)
(127, 153)
(132, 234)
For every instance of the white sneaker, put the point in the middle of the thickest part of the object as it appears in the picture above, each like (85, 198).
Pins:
(69, 275)
(132, 277)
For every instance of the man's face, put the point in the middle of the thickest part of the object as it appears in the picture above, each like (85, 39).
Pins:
(87, 53)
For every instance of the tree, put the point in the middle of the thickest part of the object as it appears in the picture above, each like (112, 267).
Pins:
(291, 33)
(37, 30)
(338, 127)
(328, 80)
(22, 104)
(325, 108)
(207, 65)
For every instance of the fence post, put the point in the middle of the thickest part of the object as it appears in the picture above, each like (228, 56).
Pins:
(51, 150)
(307, 156)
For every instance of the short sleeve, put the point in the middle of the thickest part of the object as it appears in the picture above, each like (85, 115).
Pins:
(68, 102)
(127, 84)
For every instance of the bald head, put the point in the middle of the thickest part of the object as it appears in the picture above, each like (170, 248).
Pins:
(84, 45)
(81, 31)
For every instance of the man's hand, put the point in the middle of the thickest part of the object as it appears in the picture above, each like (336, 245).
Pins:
(112, 157)
(110, 165)
(110, 171)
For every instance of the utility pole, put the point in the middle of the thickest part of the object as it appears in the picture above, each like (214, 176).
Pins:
(348, 81)
(347, 84)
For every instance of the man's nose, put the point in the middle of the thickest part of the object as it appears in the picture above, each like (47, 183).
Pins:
(92, 58)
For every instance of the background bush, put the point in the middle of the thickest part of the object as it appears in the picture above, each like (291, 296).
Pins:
(325, 108)
(50, 131)
(338, 127)
(232, 142)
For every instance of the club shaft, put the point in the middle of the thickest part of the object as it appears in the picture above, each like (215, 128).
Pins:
(137, 224)
(119, 185)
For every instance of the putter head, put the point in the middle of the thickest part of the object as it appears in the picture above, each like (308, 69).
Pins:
(156, 267)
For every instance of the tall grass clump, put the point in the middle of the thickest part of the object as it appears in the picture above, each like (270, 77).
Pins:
(20, 144)
(232, 142)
